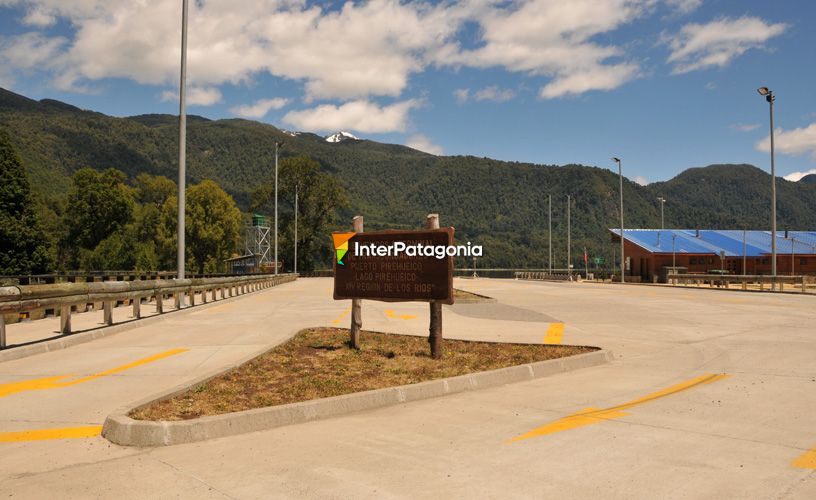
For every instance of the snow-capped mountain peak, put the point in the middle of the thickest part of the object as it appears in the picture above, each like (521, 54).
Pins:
(341, 136)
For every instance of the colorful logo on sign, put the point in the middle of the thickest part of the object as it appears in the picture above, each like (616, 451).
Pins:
(341, 245)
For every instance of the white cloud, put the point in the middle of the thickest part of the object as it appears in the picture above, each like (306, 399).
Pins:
(259, 108)
(744, 127)
(360, 116)
(792, 142)
(795, 176)
(461, 95)
(597, 78)
(39, 17)
(699, 46)
(422, 143)
(641, 180)
(492, 93)
(196, 96)
(684, 6)
(26, 53)
(515, 39)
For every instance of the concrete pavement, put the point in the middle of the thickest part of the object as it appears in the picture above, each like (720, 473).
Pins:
(657, 423)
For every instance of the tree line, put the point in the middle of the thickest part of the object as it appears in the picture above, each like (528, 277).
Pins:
(109, 222)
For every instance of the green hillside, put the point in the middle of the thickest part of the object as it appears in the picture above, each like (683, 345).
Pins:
(502, 205)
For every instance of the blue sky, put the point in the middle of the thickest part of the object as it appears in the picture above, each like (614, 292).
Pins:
(665, 85)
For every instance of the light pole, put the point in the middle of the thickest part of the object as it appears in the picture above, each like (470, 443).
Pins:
(297, 188)
(620, 177)
(569, 242)
(769, 96)
(674, 255)
(182, 174)
(549, 233)
(278, 145)
(662, 201)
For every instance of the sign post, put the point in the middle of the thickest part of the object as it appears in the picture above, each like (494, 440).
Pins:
(396, 266)
(356, 304)
(435, 328)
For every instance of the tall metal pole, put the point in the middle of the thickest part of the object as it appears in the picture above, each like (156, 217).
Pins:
(744, 253)
(662, 201)
(296, 197)
(182, 169)
(569, 241)
(771, 99)
(550, 231)
(277, 145)
(769, 96)
(623, 259)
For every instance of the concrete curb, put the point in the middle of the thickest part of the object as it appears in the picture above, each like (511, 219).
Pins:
(123, 430)
(63, 342)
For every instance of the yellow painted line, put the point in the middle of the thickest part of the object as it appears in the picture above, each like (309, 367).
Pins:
(43, 434)
(59, 381)
(807, 460)
(389, 313)
(589, 416)
(337, 320)
(555, 332)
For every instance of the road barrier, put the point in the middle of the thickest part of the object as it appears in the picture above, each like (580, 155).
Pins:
(65, 298)
(725, 280)
(539, 275)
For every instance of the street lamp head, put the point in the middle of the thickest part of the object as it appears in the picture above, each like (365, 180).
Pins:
(763, 90)
(616, 159)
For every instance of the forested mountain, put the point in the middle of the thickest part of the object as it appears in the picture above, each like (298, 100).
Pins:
(502, 205)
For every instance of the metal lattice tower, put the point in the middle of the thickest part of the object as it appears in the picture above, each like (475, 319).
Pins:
(257, 240)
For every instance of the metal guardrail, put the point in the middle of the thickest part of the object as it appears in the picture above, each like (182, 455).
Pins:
(543, 275)
(67, 296)
(93, 276)
(725, 280)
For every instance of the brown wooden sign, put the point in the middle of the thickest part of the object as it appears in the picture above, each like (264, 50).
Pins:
(395, 266)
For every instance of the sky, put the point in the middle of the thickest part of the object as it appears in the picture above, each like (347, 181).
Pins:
(664, 85)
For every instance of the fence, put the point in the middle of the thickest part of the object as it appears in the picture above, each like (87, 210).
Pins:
(92, 276)
(67, 297)
(725, 280)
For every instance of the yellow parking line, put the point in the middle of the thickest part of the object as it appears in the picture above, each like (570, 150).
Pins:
(43, 434)
(589, 416)
(555, 332)
(807, 460)
(59, 381)
(337, 320)
(389, 313)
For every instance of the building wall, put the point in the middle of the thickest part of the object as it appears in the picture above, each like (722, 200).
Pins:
(647, 265)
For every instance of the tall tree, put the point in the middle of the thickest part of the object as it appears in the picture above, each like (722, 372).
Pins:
(320, 196)
(99, 204)
(23, 245)
(213, 226)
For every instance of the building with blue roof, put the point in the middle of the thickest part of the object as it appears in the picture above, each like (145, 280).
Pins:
(651, 253)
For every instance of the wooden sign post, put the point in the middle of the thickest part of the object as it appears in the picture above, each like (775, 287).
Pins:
(396, 266)
(435, 329)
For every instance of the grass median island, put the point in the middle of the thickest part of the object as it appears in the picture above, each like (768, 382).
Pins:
(318, 363)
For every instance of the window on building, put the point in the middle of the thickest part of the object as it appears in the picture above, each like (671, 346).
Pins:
(802, 262)
(693, 260)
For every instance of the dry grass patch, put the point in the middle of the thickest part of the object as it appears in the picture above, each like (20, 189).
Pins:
(318, 363)
(464, 297)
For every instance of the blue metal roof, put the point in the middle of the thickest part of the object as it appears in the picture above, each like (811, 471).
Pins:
(708, 241)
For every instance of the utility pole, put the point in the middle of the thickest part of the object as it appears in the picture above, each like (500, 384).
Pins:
(662, 201)
(569, 241)
(769, 96)
(549, 197)
(623, 260)
(296, 223)
(182, 169)
(278, 145)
